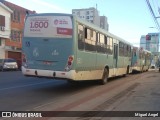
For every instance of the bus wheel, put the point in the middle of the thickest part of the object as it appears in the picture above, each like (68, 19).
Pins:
(105, 77)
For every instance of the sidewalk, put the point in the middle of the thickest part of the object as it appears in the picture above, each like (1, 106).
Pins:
(146, 97)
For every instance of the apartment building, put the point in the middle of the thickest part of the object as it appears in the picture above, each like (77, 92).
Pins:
(104, 23)
(5, 27)
(13, 44)
(92, 15)
(151, 42)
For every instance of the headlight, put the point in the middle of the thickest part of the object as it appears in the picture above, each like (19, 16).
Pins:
(4, 66)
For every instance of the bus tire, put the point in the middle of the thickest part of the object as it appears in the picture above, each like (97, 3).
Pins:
(105, 77)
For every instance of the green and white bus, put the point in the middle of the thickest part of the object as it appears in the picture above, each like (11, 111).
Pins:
(141, 59)
(66, 47)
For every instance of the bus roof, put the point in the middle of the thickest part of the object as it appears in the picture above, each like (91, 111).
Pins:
(91, 25)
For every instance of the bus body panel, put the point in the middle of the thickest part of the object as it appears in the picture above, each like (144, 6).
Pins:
(51, 49)
(141, 59)
(47, 43)
(46, 53)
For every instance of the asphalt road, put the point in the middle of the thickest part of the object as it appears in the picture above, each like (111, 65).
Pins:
(135, 92)
(19, 93)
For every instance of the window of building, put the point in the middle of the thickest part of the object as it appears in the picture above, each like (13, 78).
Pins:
(87, 12)
(87, 17)
(78, 13)
(2, 21)
(16, 16)
(15, 35)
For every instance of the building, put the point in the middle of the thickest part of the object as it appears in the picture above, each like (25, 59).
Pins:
(5, 27)
(13, 44)
(151, 42)
(92, 15)
(88, 14)
(143, 42)
(104, 23)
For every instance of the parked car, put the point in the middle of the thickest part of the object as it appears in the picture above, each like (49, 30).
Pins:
(8, 64)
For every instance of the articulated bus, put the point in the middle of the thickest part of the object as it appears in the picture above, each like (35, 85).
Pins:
(66, 47)
(141, 59)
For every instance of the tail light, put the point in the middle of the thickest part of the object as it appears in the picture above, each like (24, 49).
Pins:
(24, 58)
(69, 63)
(136, 63)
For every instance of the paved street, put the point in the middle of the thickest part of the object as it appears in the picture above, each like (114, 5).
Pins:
(135, 92)
(21, 93)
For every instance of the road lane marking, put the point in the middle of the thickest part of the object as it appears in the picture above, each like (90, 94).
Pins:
(26, 85)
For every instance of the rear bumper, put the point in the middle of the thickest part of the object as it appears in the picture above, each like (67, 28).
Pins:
(48, 73)
(136, 68)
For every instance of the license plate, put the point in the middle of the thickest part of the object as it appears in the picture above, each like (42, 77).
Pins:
(47, 62)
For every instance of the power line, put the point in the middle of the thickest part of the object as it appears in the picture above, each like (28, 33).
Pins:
(155, 6)
(153, 15)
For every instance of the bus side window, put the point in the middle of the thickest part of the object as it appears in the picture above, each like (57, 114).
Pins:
(108, 45)
(111, 45)
(85, 33)
(121, 49)
(125, 50)
(101, 47)
(105, 43)
(105, 40)
(80, 37)
(130, 51)
(90, 39)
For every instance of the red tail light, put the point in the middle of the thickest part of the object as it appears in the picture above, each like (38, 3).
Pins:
(70, 59)
(136, 63)
(69, 63)
(24, 58)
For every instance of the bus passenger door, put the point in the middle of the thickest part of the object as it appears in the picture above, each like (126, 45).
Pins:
(115, 58)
